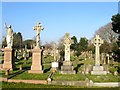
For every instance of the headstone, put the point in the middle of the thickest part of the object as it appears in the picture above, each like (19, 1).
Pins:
(97, 69)
(87, 69)
(8, 51)
(91, 83)
(54, 66)
(54, 51)
(20, 67)
(36, 52)
(25, 54)
(103, 58)
(67, 67)
(115, 73)
(107, 58)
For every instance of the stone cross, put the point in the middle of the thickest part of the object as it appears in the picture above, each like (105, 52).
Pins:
(97, 41)
(9, 37)
(67, 42)
(38, 28)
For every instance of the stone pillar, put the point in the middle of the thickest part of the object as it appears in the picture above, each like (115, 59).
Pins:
(8, 59)
(97, 69)
(36, 61)
(36, 53)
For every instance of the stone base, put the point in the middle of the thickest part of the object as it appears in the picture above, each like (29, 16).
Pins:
(35, 71)
(36, 61)
(67, 68)
(98, 70)
(8, 59)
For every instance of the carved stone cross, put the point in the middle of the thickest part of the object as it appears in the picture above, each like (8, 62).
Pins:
(97, 41)
(67, 43)
(38, 28)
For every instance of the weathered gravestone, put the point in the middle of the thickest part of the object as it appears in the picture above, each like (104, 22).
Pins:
(8, 51)
(55, 63)
(67, 67)
(97, 69)
(36, 52)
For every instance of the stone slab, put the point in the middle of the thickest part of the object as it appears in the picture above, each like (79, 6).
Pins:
(107, 84)
(35, 71)
(68, 72)
(98, 70)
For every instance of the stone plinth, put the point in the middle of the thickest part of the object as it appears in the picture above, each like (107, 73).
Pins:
(36, 61)
(67, 68)
(98, 70)
(8, 59)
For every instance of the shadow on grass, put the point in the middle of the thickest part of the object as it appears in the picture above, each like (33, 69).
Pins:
(19, 72)
(47, 69)
(78, 66)
(15, 74)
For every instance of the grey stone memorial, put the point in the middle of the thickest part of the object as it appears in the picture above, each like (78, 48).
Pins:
(8, 51)
(97, 69)
(67, 67)
(36, 52)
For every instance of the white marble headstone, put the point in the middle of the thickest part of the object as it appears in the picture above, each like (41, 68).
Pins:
(54, 64)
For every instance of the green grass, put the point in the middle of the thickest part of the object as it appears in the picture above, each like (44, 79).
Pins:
(27, 76)
(68, 77)
(47, 59)
(6, 85)
(24, 85)
(24, 73)
(88, 61)
(104, 78)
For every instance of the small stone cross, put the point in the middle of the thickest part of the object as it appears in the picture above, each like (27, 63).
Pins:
(67, 43)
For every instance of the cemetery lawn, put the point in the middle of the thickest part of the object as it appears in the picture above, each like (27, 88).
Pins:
(68, 77)
(104, 78)
(6, 85)
(27, 76)
(25, 85)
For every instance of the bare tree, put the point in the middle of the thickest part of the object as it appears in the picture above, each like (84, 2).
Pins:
(106, 33)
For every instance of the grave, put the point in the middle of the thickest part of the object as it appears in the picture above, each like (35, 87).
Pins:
(67, 67)
(97, 69)
(54, 66)
(55, 63)
(36, 52)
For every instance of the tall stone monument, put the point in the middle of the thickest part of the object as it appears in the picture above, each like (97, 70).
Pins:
(8, 51)
(67, 67)
(97, 69)
(36, 52)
